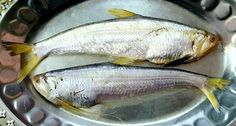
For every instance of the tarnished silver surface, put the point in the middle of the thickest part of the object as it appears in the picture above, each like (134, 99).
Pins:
(172, 107)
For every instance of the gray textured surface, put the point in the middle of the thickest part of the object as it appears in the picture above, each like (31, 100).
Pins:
(223, 10)
(12, 91)
(231, 24)
(208, 4)
(23, 104)
(51, 122)
(36, 116)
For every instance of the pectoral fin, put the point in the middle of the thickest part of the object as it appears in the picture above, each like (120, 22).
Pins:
(121, 13)
(79, 111)
(124, 61)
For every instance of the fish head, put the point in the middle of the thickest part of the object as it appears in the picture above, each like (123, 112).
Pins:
(45, 83)
(40, 84)
(204, 42)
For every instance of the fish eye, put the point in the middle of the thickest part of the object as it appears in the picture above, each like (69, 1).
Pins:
(212, 39)
(37, 81)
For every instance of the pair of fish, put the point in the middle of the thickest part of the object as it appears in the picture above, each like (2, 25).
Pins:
(129, 39)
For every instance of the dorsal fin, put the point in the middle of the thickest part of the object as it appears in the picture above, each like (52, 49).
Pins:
(121, 13)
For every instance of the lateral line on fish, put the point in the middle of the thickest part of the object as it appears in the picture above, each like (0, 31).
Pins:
(128, 66)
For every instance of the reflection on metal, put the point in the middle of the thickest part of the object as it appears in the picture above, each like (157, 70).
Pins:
(230, 52)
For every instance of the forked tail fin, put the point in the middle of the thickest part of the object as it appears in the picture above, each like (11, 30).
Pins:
(218, 83)
(214, 83)
(30, 60)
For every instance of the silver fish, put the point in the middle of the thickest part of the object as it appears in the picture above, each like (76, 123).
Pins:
(87, 86)
(132, 39)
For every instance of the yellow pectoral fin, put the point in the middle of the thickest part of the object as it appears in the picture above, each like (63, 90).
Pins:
(121, 13)
(79, 111)
(124, 61)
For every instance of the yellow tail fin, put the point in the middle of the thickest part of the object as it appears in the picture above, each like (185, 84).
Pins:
(17, 48)
(30, 59)
(211, 97)
(214, 83)
(217, 82)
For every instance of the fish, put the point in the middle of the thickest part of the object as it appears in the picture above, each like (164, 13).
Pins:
(83, 87)
(127, 39)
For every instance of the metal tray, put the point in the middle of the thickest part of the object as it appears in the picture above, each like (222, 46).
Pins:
(40, 19)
